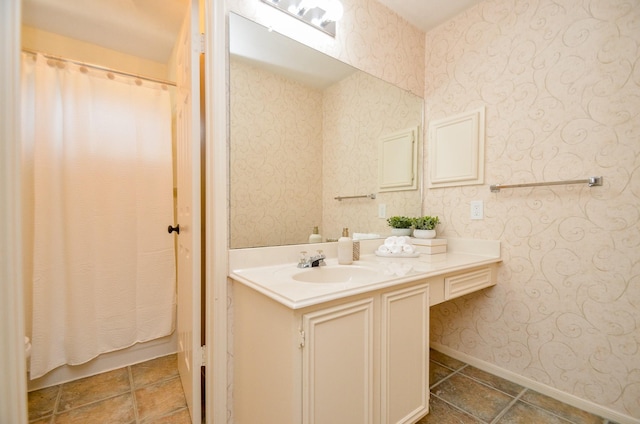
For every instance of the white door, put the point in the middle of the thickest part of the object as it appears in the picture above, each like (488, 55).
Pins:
(188, 210)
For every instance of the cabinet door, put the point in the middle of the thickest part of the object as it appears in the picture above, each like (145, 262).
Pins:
(404, 358)
(337, 385)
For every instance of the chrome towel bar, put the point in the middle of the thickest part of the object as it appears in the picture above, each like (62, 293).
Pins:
(363, 196)
(591, 181)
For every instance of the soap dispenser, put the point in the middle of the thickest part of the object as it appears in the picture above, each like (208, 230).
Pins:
(315, 237)
(345, 248)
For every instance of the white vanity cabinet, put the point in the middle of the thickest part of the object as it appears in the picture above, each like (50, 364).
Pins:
(362, 359)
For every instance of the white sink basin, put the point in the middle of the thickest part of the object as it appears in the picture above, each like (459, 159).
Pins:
(335, 274)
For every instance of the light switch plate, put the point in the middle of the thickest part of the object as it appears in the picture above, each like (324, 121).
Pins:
(382, 210)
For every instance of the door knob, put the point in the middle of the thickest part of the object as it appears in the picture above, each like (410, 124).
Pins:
(172, 229)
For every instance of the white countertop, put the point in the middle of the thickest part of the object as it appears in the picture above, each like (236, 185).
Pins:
(275, 281)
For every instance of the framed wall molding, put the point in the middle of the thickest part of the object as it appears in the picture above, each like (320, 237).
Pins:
(398, 160)
(456, 153)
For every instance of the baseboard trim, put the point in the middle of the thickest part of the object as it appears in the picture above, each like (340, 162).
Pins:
(567, 398)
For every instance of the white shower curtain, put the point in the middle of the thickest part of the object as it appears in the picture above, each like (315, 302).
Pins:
(98, 200)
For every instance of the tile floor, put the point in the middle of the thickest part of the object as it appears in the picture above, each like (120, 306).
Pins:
(463, 394)
(149, 393)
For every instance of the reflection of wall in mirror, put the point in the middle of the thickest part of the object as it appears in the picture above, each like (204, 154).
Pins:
(276, 158)
(393, 52)
(358, 111)
(292, 154)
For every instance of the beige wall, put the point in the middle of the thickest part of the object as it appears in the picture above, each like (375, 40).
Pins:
(561, 85)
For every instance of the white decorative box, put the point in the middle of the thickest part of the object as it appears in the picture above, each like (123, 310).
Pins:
(430, 246)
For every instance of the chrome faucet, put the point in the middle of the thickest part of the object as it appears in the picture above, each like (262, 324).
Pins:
(312, 261)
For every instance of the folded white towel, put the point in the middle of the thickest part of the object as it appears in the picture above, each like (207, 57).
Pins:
(408, 248)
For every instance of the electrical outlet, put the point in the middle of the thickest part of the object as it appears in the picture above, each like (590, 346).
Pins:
(477, 211)
(382, 210)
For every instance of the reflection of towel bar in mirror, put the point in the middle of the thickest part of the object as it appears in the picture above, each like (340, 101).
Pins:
(591, 181)
(363, 196)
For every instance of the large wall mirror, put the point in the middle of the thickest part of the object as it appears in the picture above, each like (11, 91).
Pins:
(305, 128)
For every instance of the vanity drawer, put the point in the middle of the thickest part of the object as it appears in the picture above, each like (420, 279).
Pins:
(467, 282)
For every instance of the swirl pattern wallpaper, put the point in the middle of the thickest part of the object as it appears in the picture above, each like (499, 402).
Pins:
(560, 81)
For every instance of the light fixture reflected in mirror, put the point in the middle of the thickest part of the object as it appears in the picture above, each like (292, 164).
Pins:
(321, 14)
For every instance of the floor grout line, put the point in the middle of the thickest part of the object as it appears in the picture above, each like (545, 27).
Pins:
(453, 372)
(56, 404)
(132, 389)
(552, 412)
(506, 408)
(459, 409)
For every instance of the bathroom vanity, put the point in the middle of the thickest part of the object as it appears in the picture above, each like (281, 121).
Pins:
(343, 344)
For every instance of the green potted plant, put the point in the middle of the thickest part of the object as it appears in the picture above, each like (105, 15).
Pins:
(400, 225)
(425, 226)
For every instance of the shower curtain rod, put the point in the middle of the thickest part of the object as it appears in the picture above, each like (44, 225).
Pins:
(100, 68)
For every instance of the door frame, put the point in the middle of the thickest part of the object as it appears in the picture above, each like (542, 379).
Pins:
(216, 232)
(13, 374)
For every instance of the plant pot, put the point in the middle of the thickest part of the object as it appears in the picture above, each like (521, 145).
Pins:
(401, 231)
(424, 234)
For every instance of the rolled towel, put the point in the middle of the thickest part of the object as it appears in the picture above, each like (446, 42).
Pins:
(390, 241)
(395, 249)
(408, 248)
(383, 250)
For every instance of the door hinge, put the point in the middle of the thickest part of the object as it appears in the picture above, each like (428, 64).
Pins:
(203, 356)
(202, 43)
(302, 339)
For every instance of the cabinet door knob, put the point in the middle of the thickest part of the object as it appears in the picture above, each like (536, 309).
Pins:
(172, 229)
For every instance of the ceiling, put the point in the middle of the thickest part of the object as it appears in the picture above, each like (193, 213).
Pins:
(149, 28)
(143, 28)
(427, 14)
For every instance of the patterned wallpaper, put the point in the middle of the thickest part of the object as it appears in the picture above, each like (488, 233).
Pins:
(276, 159)
(561, 85)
